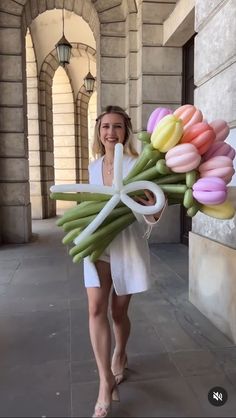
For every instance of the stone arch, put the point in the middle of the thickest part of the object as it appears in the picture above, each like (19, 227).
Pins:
(46, 75)
(107, 18)
(15, 204)
(82, 102)
(32, 8)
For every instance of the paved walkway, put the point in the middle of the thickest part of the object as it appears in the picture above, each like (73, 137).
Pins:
(46, 364)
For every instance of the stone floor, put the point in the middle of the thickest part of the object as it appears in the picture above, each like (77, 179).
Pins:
(46, 364)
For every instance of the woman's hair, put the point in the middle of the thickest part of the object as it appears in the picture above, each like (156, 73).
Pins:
(98, 148)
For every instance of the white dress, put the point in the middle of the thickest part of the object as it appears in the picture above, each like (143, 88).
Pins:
(129, 252)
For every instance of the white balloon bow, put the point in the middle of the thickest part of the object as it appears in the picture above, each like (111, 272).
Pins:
(118, 192)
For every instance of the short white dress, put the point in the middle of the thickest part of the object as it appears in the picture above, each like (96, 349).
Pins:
(128, 253)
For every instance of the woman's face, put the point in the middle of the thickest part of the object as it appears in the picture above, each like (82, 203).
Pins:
(112, 130)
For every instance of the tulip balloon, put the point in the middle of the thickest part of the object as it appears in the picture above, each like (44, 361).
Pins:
(219, 166)
(201, 135)
(222, 211)
(155, 117)
(189, 114)
(167, 133)
(210, 191)
(219, 149)
(221, 129)
(183, 158)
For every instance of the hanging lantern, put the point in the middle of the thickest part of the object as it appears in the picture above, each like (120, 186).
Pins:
(63, 51)
(63, 47)
(89, 81)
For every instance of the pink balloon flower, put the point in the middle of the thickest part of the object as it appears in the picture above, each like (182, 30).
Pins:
(221, 129)
(219, 166)
(219, 149)
(156, 116)
(189, 115)
(183, 158)
(210, 191)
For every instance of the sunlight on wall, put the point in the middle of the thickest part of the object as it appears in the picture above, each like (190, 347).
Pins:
(64, 132)
(92, 114)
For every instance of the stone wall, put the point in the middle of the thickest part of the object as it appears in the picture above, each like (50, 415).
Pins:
(215, 64)
(14, 170)
(212, 282)
(134, 70)
(213, 242)
(161, 86)
(161, 66)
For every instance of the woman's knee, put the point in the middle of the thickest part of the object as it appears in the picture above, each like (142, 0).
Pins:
(119, 307)
(119, 314)
(97, 309)
(98, 299)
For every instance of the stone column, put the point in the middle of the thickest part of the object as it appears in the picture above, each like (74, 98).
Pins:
(46, 138)
(161, 66)
(135, 72)
(160, 86)
(14, 167)
(63, 133)
(112, 65)
(81, 147)
(33, 131)
(213, 242)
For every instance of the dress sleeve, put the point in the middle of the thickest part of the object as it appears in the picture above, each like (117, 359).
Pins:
(89, 173)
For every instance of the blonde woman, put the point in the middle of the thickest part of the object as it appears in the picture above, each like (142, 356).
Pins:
(124, 267)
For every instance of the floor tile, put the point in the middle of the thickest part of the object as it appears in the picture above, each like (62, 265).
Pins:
(47, 366)
(33, 338)
(201, 385)
(35, 390)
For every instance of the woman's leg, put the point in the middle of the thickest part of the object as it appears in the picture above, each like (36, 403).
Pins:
(100, 333)
(121, 328)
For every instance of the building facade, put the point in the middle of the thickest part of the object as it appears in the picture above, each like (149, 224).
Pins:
(135, 49)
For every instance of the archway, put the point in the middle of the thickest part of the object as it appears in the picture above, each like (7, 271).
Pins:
(107, 17)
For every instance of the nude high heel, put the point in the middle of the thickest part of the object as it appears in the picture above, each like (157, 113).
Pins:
(101, 409)
(115, 394)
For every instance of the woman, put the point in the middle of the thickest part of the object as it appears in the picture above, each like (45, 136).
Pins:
(124, 266)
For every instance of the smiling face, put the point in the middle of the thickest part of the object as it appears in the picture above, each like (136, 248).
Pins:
(112, 130)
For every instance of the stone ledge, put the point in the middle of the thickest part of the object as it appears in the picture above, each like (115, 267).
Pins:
(179, 26)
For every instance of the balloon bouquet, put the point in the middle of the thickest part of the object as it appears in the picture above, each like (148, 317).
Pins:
(183, 158)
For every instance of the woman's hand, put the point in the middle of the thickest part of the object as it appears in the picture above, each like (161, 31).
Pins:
(150, 198)
(149, 201)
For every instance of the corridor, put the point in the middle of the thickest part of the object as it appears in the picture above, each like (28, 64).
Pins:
(47, 369)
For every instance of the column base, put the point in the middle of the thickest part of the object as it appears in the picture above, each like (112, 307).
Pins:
(212, 282)
(16, 224)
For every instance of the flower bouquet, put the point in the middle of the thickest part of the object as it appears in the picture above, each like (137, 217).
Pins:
(184, 158)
